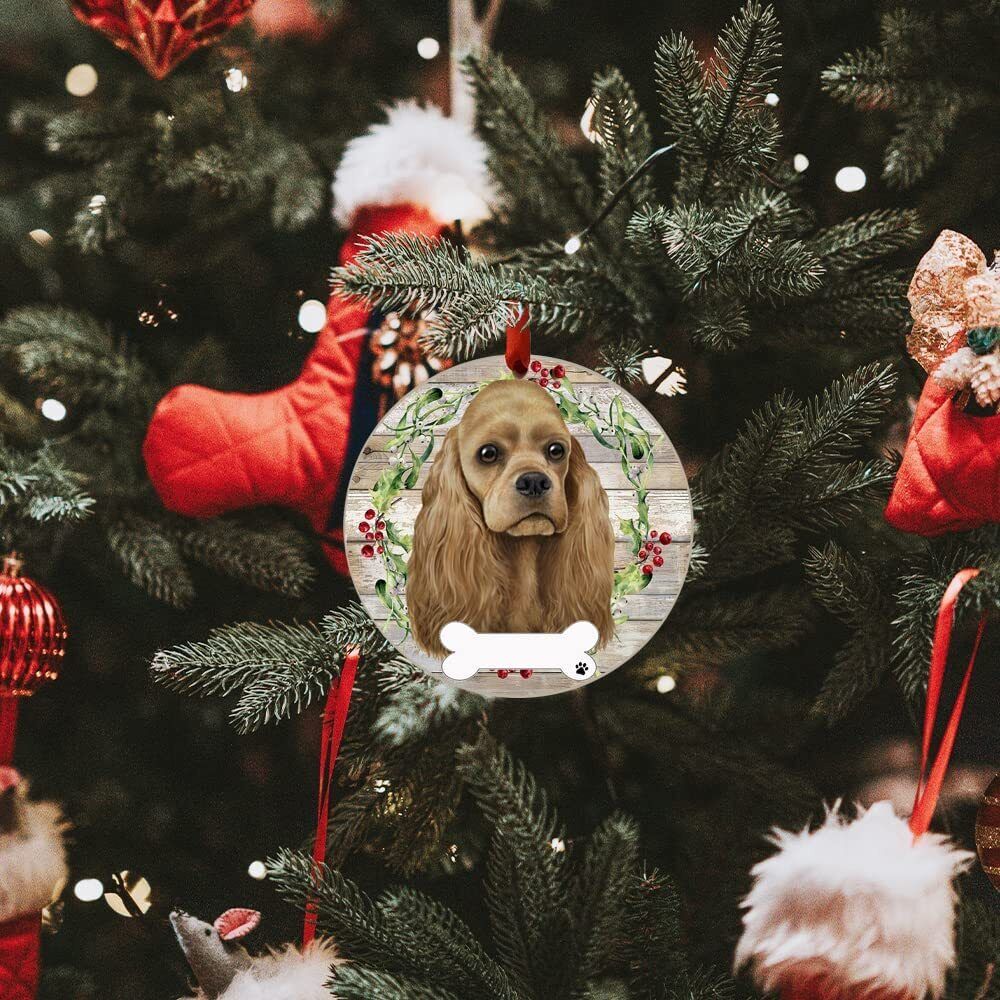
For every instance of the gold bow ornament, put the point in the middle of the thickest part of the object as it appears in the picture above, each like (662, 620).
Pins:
(955, 303)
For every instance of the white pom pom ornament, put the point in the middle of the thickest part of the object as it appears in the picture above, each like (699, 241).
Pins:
(854, 910)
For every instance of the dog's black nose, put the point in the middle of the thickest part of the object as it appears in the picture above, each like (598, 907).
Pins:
(533, 484)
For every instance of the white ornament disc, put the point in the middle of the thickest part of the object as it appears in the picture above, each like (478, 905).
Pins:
(488, 517)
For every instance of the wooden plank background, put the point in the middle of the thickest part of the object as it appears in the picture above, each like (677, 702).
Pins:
(669, 503)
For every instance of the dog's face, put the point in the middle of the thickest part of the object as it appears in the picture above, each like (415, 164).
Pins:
(514, 451)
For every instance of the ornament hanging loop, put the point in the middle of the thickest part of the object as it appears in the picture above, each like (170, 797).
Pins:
(932, 775)
(518, 350)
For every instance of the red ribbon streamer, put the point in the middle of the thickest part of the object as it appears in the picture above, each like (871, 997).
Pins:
(338, 702)
(929, 784)
(8, 727)
(518, 350)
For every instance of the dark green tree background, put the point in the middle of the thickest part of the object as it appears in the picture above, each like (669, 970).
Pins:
(153, 233)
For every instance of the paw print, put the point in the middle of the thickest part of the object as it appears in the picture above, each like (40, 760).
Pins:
(581, 668)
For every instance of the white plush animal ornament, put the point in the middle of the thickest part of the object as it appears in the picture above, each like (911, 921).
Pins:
(225, 970)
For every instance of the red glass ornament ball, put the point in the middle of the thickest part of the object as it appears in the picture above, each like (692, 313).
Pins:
(32, 632)
(161, 33)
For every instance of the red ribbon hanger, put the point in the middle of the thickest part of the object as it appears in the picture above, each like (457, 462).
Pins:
(8, 727)
(338, 702)
(931, 780)
(518, 350)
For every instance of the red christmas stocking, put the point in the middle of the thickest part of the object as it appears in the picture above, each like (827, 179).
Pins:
(210, 452)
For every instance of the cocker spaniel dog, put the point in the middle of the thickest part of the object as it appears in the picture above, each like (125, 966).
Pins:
(514, 533)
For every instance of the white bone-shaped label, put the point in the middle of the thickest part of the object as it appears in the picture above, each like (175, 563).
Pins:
(565, 651)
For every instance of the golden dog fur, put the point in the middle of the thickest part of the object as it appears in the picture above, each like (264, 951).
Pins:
(484, 552)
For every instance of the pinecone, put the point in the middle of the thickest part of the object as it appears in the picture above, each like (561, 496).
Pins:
(399, 360)
(985, 381)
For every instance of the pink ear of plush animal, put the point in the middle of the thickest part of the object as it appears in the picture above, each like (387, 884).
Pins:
(236, 923)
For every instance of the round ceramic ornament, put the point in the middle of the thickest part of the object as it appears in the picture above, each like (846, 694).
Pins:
(518, 537)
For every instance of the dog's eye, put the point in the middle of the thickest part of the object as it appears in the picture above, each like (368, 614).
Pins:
(556, 451)
(489, 453)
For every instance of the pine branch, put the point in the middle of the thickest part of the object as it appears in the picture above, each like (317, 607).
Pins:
(235, 657)
(604, 894)
(268, 554)
(151, 559)
(356, 982)
(527, 159)
(526, 886)
(37, 486)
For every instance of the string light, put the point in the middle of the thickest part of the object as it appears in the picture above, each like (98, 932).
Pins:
(771, 100)
(81, 80)
(558, 845)
(587, 122)
(674, 384)
(312, 315)
(236, 79)
(97, 204)
(428, 48)
(257, 870)
(800, 162)
(572, 245)
(138, 889)
(665, 683)
(41, 237)
(52, 409)
(850, 179)
(88, 890)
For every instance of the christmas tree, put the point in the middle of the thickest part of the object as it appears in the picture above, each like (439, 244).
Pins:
(714, 237)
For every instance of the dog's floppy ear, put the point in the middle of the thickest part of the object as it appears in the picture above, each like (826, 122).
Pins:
(579, 569)
(455, 571)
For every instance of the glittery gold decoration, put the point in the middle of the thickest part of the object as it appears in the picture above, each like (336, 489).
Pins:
(951, 292)
(988, 832)
(985, 379)
(399, 360)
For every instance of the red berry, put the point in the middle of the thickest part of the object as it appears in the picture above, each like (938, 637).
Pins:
(545, 373)
(526, 673)
(536, 366)
(642, 554)
(503, 673)
(657, 560)
(380, 550)
(380, 525)
(379, 536)
(370, 513)
(647, 569)
(657, 550)
(558, 371)
(665, 537)
(367, 551)
(370, 535)
(654, 535)
(364, 527)
(543, 381)
(557, 384)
